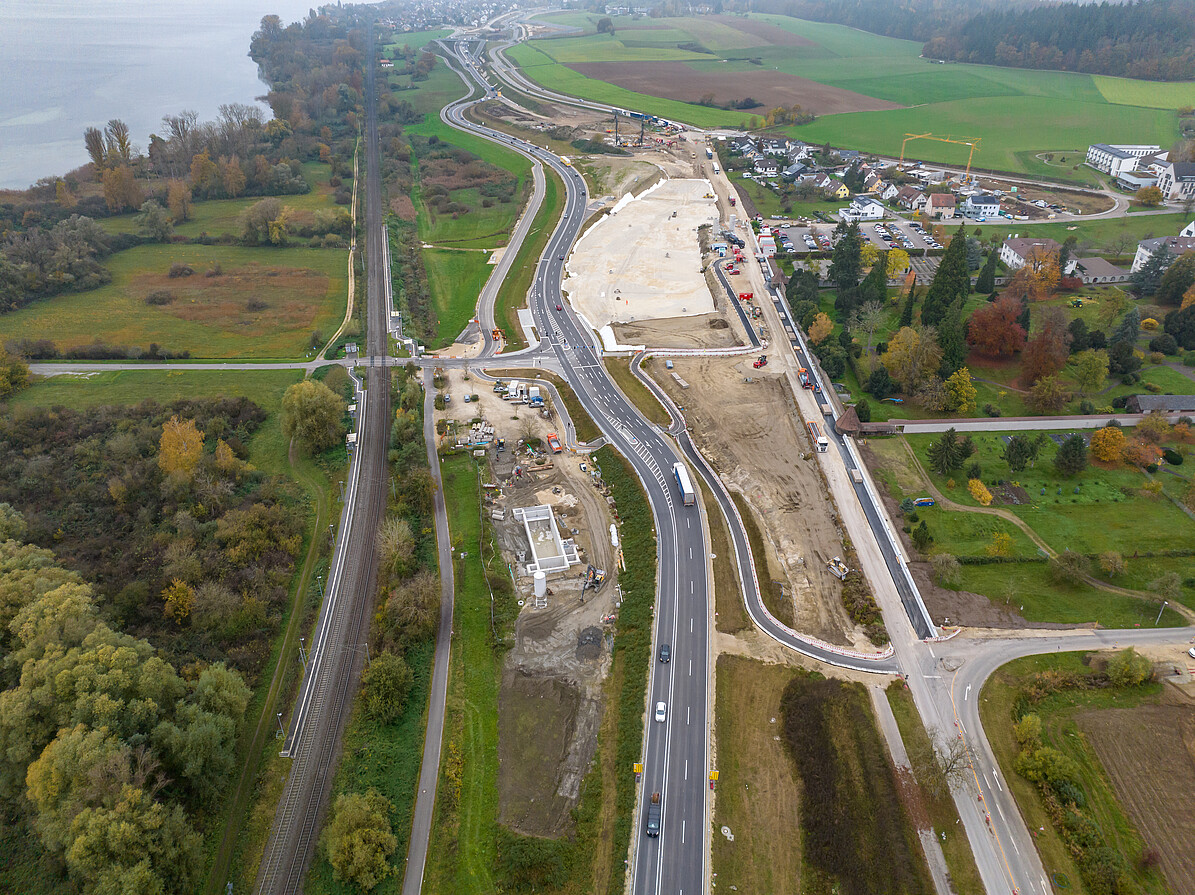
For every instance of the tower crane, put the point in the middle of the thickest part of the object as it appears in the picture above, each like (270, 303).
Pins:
(965, 141)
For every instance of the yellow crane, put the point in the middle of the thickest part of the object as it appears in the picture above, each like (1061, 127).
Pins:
(966, 141)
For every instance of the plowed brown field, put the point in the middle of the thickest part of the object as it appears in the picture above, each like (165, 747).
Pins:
(1149, 755)
(676, 80)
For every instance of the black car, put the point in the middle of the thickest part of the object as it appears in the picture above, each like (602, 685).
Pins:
(665, 652)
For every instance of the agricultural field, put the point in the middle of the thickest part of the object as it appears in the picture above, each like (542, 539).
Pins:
(1124, 770)
(868, 90)
(1002, 547)
(263, 302)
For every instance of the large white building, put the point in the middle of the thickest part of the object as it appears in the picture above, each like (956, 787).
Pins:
(1178, 245)
(1118, 159)
(1016, 252)
(863, 208)
(981, 206)
(1177, 181)
(1188, 230)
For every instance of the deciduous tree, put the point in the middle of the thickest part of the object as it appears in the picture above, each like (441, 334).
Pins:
(313, 415)
(180, 448)
(1107, 444)
(121, 191)
(1048, 395)
(1047, 352)
(384, 687)
(178, 199)
(822, 327)
(1149, 196)
(178, 596)
(358, 840)
(960, 392)
(154, 221)
(912, 357)
(1089, 369)
(993, 329)
(1176, 281)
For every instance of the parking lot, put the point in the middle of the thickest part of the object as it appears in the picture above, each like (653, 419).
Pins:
(889, 234)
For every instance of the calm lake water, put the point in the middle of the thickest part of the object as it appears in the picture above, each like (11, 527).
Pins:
(66, 65)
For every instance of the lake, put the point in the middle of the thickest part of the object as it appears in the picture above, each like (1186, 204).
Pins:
(66, 65)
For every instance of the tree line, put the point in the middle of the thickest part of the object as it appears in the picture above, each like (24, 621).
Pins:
(1153, 39)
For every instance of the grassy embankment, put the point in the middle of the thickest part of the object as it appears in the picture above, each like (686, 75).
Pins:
(637, 393)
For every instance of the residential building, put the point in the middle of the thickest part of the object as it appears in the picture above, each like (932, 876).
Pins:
(1188, 230)
(863, 208)
(1119, 159)
(774, 147)
(1017, 252)
(767, 167)
(1178, 181)
(891, 191)
(1178, 245)
(941, 205)
(838, 190)
(981, 205)
(911, 197)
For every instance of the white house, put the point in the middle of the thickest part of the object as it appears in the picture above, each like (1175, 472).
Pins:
(891, 191)
(1179, 245)
(774, 147)
(863, 208)
(1016, 252)
(1178, 181)
(1119, 159)
(767, 167)
(1188, 230)
(981, 206)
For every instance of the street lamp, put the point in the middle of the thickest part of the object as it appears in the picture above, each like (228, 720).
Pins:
(1160, 611)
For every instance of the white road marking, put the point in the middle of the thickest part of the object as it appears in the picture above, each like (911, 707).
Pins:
(690, 587)
(687, 710)
(967, 695)
(932, 677)
(690, 668)
(690, 553)
(690, 626)
(682, 831)
(686, 769)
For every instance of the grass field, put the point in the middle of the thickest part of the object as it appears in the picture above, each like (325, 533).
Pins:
(303, 290)
(757, 795)
(1059, 731)
(1109, 513)
(1015, 112)
(455, 279)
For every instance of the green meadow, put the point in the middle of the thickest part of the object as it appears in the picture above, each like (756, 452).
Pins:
(1016, 113)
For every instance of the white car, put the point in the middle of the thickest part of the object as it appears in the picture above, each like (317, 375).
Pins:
(661, 711)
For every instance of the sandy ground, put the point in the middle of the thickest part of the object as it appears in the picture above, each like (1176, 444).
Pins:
(550, 699)
(750, 433)
(641, 262)
(704, 331)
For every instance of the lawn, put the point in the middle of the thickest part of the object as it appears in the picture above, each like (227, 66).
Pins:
(300, 290)
(1000, 698)
(1017, 113)
(455, 279)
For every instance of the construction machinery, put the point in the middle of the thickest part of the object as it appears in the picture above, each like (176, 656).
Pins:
(838, 568)
(761, 362)
(973, 142)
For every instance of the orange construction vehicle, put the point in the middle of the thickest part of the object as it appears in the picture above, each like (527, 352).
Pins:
(554, 443)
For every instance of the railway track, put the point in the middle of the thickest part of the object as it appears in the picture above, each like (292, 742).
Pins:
(336, 667)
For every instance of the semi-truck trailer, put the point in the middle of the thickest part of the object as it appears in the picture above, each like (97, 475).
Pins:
(688, 495)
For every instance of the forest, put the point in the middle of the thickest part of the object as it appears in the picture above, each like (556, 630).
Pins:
(1152, 40)
(144, 565)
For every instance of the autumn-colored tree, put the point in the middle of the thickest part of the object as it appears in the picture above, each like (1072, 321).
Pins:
(1111, 563)
(232, 177)
(121, 191)
(1048, 394)
(63, 195)
(1089, 369)
(1154, 427)
(117, 142)
(912, 357)
(1188, 298)
(1149, 196)
(1001, 544)
(179, 597)
(14, 373)
(993, 329)
(205, 174)
(1047, 352)
(1107, 444)
(869, 254)
(1139, 452)
(821, 327)
(960, 392)
(180, 448)
(897, 263)
(178, 200)
(93, 139)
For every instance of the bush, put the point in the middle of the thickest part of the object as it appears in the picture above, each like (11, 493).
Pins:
(1128, 668)
(1068, 567)
(1173, 457)
(946, 569)
(159, 297)
(178, 269)
(1164, 344)
(384, 687)
(979, 491)
(991, 410)
(358, 840)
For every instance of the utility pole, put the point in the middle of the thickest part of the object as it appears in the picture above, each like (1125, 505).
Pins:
(1160, 611)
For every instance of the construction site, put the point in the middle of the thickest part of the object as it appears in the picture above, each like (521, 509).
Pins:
(547, 513)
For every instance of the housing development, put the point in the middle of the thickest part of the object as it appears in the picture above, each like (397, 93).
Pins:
(657, 449)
